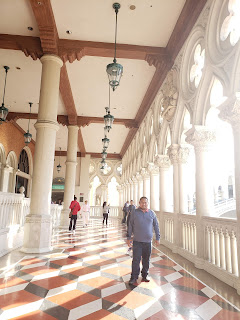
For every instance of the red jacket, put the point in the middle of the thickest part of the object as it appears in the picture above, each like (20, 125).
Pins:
(75, 206)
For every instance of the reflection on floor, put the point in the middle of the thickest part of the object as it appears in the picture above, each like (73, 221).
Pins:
(86, 277)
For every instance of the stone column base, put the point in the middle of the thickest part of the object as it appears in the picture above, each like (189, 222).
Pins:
(37, 234)
(64, 223)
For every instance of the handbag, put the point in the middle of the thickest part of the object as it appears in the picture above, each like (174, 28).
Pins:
(70, 213)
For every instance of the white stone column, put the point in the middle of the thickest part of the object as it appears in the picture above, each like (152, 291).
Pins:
(135, 188)
(104, 192)
(131, 190)
(173, 155)
(140, 187)
(5, 177)
(120, 194)
(70, 173)
(38, 224)
(128, 191)
(183, 153)
(230, 112)
(146, 184)
(163, 162)
(154, 186)
(203, 141)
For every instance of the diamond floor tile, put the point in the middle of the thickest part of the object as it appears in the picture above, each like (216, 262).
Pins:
(86, 277)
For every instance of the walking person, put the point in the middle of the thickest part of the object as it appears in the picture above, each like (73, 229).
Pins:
(141, 224)
(105, 212)
(85, 213)
(131, 208)
(125, 211)
(75, 207)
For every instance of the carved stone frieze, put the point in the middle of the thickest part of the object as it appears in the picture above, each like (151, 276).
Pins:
(202, 138)
(178, 154)
(162, 161)
(203, 19)
(144, 173)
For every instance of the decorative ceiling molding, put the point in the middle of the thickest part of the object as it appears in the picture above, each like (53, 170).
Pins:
(81, 120)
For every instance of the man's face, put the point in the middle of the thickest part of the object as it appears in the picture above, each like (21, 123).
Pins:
(85, 202)
(131, 202)
(143, 204)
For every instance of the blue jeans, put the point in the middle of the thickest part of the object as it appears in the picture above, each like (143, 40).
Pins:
(141, 250)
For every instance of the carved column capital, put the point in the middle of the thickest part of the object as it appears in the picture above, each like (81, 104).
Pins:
(162, 161)
(139, 177)
(201, 137)
(144, 173)
(230, 112)
(152, 168)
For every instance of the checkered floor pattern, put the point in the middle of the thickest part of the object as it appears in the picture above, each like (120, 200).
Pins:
(86, 277)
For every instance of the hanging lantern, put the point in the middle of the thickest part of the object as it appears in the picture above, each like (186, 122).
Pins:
(108, 120)
(115, 70)
(59, 165)
(3, 109)
(105, 142)
(27, 135)
(104, 155)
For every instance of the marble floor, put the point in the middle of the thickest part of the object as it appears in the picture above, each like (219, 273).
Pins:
(86, 277)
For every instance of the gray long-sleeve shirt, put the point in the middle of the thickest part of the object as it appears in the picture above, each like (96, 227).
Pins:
(141, 224)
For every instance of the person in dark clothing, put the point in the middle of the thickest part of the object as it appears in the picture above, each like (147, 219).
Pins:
(105, 212)
(75, 207)
(141, 224)
(125, 211)
(131, 208)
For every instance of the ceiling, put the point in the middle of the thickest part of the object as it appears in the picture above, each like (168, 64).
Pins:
(148, 39)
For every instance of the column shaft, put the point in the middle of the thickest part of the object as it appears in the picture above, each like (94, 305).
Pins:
(38, 224)
(70, 174)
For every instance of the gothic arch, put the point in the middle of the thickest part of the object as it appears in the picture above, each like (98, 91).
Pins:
(2, 155)
(12, 160)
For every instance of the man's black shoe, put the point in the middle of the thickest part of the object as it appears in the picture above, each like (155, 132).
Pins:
(145, 279)
(132, 281)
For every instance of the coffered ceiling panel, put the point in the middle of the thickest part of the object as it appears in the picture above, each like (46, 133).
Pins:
(89, 84)
(94, 133)
(16, 17)
(150, 24)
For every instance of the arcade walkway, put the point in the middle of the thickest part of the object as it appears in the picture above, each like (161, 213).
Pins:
(86, 277)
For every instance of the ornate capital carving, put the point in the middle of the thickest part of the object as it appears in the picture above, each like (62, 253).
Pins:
(162, 161)
(202, 138)
(138, 176)
(230, 112)
(178, 154)
(173, 153)
(152, 168)
(144, 173)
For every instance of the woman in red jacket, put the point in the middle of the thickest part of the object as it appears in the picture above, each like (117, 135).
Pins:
(75, 207)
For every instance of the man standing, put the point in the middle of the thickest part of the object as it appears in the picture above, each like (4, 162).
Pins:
(85, 213)
(131, 208)
(141, 224)
(75, 207)
(125, 211)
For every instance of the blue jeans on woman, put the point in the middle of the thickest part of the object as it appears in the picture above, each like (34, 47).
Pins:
(141, 250)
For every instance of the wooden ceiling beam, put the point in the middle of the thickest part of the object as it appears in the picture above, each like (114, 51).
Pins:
(81, 120)
(70, 50)
(92, 154)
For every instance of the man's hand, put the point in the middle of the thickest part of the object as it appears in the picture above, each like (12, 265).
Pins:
(157, 242)
(129, 242)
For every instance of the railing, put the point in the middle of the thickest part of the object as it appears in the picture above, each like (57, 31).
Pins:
(221, 207)
(221, 243)
(216, 238)
(168, 226)
(56, 214)
(188, 233)
(97, 211)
